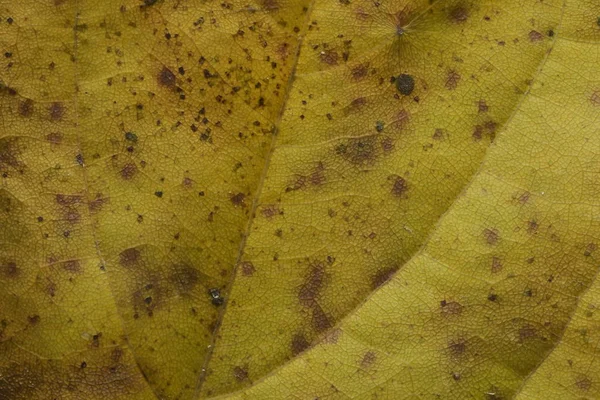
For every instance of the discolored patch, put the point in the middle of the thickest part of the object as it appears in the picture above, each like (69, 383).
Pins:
(240, 374)
(452, 80)
(496, 265)
(33, 319)
(595, 98)
(359, 72)
(458, 14)
(270, 210)
(482, 106)
(451, 307)
(247, 268)
(57, 111)
(26, 108)
(535, 36)
(457, 348)
(307, 295)
(320, 321)
(10, 269)
(358, 102)
(238, 199)
(399, 187)
(68, 199)
(527, 332)
(184, 277)
(405, 84)
(316, 178)
(358, 150)
(9, 154)
(299, 343)
(167, 78)
(402, 120)
(54, 138)
(270, 5)
(491, 236)
(583, 383)
(329, 57)
(129, 257)
(72, 266)
(128, 171)
(382, 276)
(368, 359)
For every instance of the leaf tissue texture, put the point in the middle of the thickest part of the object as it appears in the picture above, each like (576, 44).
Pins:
(299, 199)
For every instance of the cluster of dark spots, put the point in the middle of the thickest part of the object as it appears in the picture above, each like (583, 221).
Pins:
(382, 276)
(299, 343)
(535, 36)
(399, 186)
(315, 178)
(491, 236)
(459, 14)
(184, 277)
(271, 210)
(451, 307)
(358, 151)
(487, 129)
(452, 80)
(368, 359)
(26, 108)
(247, 268)
(148, 296)
(329, 57)
(167, 78)
(240, 373)
(73, 266)
(128, 171)
(238, 199)
(129, 257)
(405, 84)
(360, 71)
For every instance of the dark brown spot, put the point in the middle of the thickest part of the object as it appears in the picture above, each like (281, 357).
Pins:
(68, 199)
(405, 84)
(458, 14)
(583, 383)
(238, 199)
(358, 102)
(97, 204)
(184, 277)
(329, 57)
(358, 150)
(368, 359)
(399, 187)
(270, 4)
(496, 265)
(320, 321)
(57, 111)
(240, 374)
(270, 210)
(527, 332)
(54, 137)
(387, 144)
(299, 343)
(33, 320)
(382, 276)
(482, 106)
(247, 268)
(359, 71)
(532, 227)
(10, 269)
(129, 257)
(312, 286)
(457, 348)
(128, 171)
(167, 78)
(451, 307)
(26, 108)
(72, 266)
(535, 36)
(452, 80)
(491, 235)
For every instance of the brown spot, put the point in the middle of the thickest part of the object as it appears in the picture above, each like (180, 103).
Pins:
(167, 78)
(9, 154)
(496, 265)
(316, 178)
(270, 210)
(57, 110)
(72, 216)
(595, 99)
(270, 4)
(97, 204)
(584, 383)
(299, 343)
(482, 106)
(10, 269)
(382, 276)
(187, 182)
(68, 199)
(400, 186)
(358, 102)
(33, 319)
(238, 199)
(312, 285)
(54, 137)
(59, 2)
(240, 374)
(491, 235)
(451, 307)
(332, 336)
(458, 14)
(247, 268)
(26, 108)
(129, 257)
(72, 266)
(524, 198)
(359, 71)
(402, 119)
(358, 150)
(329, 57)
(438, 134)
(589, 249)
(457, 347)
(535, 36)
(452, 80)
(532, 227)
(368, 359)
(116, 355)
(320, 321)
(387, 144)
(184, 277)
(527, 332)
(283, 50)
(128, 171)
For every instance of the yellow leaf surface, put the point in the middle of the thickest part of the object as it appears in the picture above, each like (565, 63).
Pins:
(299, 199)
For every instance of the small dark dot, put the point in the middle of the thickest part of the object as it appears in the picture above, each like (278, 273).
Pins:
(158, 194)
(8, 54)
(181, 70)
(405, 84)
(132, 137)
(201, 193)
(83, 364)
(40, 219)
(9, 20)
(551, 33)
(379, 126)
(492, 297)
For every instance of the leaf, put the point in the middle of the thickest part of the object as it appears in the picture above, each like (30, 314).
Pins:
(293, 199)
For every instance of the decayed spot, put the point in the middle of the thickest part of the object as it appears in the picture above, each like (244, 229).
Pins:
(496, 265)
(527, 332)
(452, 80)
(329, 57)
(167, 78)
(238, 199)
(184, 277)
(583, 383)
(10, 269)
(491, 235)
(358, 150)
(487, 129)
(72, 266)
(271, 210)
(54, 137)
(26, 108)
(320, 321)
(9, 154)
(595, 99)
(316, 178)
(451, 307)
(129, 257)
(405, 84)
(368, 359)
(299, 343)
(240, 374)
(457, 348)
(482, 106)
(458, 14)
(535, 36)
(399, 187)
(310, 290)
(382, 276)
(402, 119)
(359, 71)
(128, 171)
(57, 111)
(247, 268)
